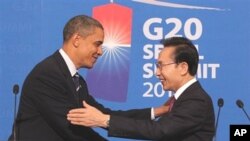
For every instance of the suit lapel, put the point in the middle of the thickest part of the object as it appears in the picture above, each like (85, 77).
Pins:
(64, 68)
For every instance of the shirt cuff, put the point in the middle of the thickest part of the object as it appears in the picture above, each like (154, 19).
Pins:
(152, 114)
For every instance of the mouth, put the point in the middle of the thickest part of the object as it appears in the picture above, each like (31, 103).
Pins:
(162, 79)
(95, 58)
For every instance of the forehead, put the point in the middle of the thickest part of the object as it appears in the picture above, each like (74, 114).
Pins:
(166, 54)
(97, 35)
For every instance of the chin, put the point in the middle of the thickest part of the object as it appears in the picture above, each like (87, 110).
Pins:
(89, 66)
(165, 88)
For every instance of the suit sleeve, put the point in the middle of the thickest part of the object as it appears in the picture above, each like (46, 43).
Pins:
(186, 117)
(133, 113)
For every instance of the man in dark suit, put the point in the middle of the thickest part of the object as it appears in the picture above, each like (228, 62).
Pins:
(54, 87)
(191, 115)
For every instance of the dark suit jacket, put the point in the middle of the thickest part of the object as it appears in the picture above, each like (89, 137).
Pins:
(191, 119)
(48, 94)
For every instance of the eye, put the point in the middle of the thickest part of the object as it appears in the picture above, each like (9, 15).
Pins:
(98, 43)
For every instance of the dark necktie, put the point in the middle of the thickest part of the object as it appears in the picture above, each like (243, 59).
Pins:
(76, 81)
(171, 102)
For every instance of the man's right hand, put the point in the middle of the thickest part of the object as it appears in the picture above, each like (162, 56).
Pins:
(88, 116)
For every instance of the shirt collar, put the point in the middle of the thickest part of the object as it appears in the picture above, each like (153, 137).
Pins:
(69, 62)
(183, 88)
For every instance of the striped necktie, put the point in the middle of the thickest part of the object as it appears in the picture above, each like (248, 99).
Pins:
(76, 81)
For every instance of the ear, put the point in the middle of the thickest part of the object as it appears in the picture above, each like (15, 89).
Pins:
(183, 68)
(76, 40)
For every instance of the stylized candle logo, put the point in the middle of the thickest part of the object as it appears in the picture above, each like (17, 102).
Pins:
(109, 78)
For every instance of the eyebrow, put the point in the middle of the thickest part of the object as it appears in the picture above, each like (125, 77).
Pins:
(98, 42)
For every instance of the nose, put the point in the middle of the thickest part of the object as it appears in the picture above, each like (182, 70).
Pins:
(99, 51)
(158, 72)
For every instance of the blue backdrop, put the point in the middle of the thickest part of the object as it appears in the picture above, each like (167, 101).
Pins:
(31, 30)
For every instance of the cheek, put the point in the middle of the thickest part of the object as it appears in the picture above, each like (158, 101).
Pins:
(92, 50)
(168, 75)
(87, 52)
(83, 54)
(165, 73)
